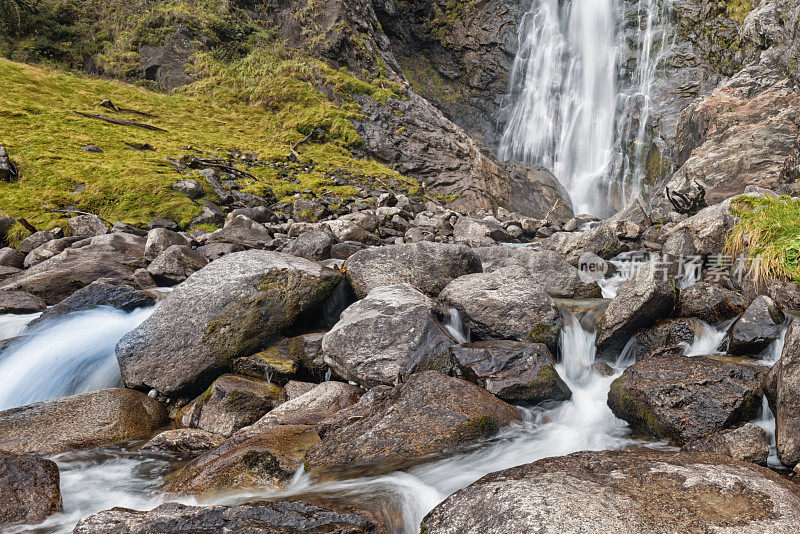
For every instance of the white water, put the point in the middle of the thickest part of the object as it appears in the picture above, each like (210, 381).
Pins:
(626, 265)
(72, 355)
(12, 325)
(569, 111)
(455, 326)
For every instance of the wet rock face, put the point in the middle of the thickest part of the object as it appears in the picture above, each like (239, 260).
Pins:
(787, 404)
(758, 326)
(630, 492)
(104, 417)
(711, 303)
(229, 309)
(428, 267)
(259, 517)
(428, 414)
(685, 398)
(513, 371)
(505, 304)
(748, 443)
(184, 441)
(665, 333)
(391, 333)
(29, 489)
(20, 302)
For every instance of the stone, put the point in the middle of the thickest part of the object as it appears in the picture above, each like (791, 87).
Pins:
(11, 257)
(633, 491)
(392, 332)
(315, 245)
(537, 193)
(601, 241)
(710, 303)
(428, 414)
(242, 231)
(84, 226)
(259, 517)
(229, 309)
(6, 223)
(96, 419)
(647, 296)
(29, 489)
(190, 188)
(36, 239)
(110, 256)
(125, 228)
(294, 389)
(704, 233)
(215, 251)
(787, 399)
(748, 443)
(277, 363)
(20, 302)
(50, 249)
(665, 333)
(210, 215)
(342, 251)
(161, 222)
(428, 267)
(476, 231)
(756, 328)
(6, 272)
(513, 371)
(259, 214)
(159, 240)
(176, 264)
(184, 441)
(230, 403)
(345, 230)
(685, 398)
(505, 304)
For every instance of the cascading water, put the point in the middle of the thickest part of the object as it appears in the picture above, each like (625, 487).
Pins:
(577, 107)
(69, 356)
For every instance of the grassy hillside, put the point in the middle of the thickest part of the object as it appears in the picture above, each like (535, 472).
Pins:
(263, 103)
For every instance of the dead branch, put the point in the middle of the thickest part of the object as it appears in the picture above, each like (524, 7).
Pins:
(28, 226)
(122, 122)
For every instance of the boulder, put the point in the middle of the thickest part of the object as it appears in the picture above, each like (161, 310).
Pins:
(665, 333)
(38, 239)
(159, 240)
(276, 363)
(176, 264)
(48, 250)
(294, 389)
(104, 417)
(242, 231)
(6, 272)
(11, 257)
(229, 309)
(701, 234)
(748, 443)
(647, 296)
(215, 251)
(601, 241)
(342, 251)
(184, 441)
(537, 193)
(190, 188)
(787, 401)
(505, 304)
(112, 256)
(345, 230)
(757, 327)
(20, 302)
(391, 333)
(639, 491)
(161, 222)
(232, 402)
(125, 228)
(120, 296)
(685, 398)
(428, 414)
(480, 232)
(710, 303)
(260, 517)
(6, 223)
(315, 245)
(84, 226)
(426, 266)
(29, 489)
(512, 370)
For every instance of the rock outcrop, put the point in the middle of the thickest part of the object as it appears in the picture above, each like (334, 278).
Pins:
(29, 489)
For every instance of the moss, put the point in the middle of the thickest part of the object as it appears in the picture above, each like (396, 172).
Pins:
(543, 333)
(636, 413)
(440, 25)
(476, 427)
(657, 167)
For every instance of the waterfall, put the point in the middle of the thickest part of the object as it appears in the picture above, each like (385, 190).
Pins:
(577, 107)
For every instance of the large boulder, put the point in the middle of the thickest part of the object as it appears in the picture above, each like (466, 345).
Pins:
(160, 239)
(711, 303)
(314, 245)
(260, 517)
(647, 296)
(757, 327)
(505, 304)
(479, 232)
(684, 398)
(20, 302)
(11, 257)
(114, 256)
(512, 370)
(428, 414)
(640, 491)
(242, 231)
(748, 443)
(176, 264)
(704, 233)
(29, 489)
(229, 309)
(787, 401)
(426, 266)
(391, 333)
(50, 249)
(601, 241)
(104, 417)
(665, 333)
(84, 226)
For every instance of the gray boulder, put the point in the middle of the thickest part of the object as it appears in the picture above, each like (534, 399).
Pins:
(391, 333)
(159, 240)
(710, 303)
(479, 232)
(511, 370)
(20, 302)
(229, 309)
(704, 233)
(38, 239)
(84, 226)
(601, 241)
(639, 491)
(184, 441)
(48, 250)
(29, 489)
(215, 251)
(426, 266)
(315, 245)
(176, 264)
(665, 333)
(11, 257)
(242, 231)
(757, 327)
(505, 304)
(190, 188)
(748, 443)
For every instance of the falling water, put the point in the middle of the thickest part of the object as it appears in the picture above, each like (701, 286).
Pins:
(455, 326)
(576, 107)
(69, 356)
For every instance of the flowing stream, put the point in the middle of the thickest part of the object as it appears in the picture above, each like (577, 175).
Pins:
(578, 106)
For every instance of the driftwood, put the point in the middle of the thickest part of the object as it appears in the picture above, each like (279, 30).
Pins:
(28, 226)
(194, 162)
(122, 122)
(684, 204)
(108, 104)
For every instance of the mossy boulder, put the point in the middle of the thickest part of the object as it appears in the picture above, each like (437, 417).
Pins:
(682, 398)
(393, 428)
(229, 309)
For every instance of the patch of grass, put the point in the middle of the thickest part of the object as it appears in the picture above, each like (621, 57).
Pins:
(769, 230)
(440, 24)
(738, 9)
